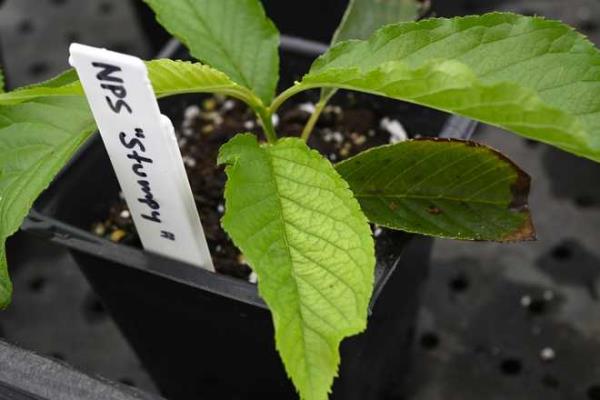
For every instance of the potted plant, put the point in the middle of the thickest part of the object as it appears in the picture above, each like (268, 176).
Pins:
(127, 279)
(308, 237)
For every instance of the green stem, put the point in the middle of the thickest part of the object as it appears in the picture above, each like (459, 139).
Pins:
(267, 123)
(286, 94)
(314, 117)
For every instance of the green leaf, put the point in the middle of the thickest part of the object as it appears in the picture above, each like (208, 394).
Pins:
(168, 78)
(65, 84)
(535, 77)
(234, 36)
(42, 125)
(303, 232)
(2, 88)
(36, 139)
(363, 17)
(178, 77)
(5, 283)
(446, 188)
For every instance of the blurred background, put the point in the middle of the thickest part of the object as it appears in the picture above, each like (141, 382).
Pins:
(510, 321)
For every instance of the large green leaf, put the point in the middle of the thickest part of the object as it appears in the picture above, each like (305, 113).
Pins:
(42, 125)
(446, 188)
(234, 36)
(532, 76)
(36, 139)
(304, 234)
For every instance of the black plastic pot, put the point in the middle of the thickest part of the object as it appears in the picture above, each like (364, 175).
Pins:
(203, 335)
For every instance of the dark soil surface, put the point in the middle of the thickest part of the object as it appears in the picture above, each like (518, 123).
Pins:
(209, 122)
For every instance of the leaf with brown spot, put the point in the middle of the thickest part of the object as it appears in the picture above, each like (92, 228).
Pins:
(445, 188)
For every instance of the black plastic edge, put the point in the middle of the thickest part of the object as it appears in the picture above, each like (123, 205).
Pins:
(25, 375)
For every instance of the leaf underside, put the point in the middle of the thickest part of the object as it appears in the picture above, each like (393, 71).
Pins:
(233, 36)
(304, 234)
(532, 76)
(446, 188)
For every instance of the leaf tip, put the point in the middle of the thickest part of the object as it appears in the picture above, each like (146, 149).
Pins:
(525, 232)
(519, 203)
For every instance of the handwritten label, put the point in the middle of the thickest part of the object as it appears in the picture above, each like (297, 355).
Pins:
(143, 150)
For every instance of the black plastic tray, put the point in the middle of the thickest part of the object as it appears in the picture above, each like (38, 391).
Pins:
(28, 376)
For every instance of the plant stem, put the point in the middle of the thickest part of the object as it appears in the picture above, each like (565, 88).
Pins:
(267, 123)
(314, 117)
(286, 94)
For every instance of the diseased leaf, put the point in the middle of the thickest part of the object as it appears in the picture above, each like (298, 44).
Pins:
(439, 187)
(42, 125)
(535, 77)
(234, 36)
(36, 139)
(303, 233)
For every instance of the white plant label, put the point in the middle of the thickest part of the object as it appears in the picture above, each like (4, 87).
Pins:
(143, 150)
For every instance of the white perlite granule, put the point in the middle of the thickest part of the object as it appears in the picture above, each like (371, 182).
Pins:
(252, 278)
(307, 107)
(395, 128)
(275, 119)
(191, 112)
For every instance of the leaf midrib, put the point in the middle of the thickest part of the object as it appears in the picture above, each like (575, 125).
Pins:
(303, 324)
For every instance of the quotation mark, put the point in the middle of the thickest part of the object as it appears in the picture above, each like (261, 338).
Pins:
(167, 235)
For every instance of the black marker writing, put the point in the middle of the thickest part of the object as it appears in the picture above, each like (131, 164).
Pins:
(134, 144)
(167, 235)
(107, 73)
